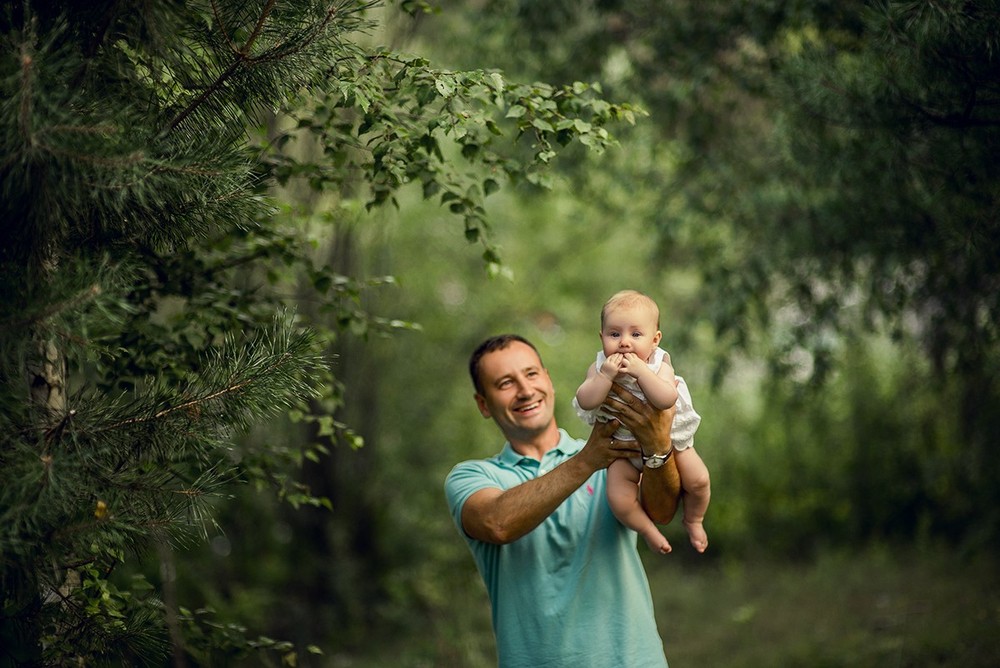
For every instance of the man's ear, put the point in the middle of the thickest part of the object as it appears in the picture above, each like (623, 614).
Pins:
(483, 408)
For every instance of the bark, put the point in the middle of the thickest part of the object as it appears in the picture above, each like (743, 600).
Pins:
(47, 378)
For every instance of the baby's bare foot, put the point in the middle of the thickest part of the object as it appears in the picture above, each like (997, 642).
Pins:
(697, 536)
(657, 542)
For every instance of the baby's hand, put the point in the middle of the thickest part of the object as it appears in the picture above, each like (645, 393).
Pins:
(612, 366)
(633, 365)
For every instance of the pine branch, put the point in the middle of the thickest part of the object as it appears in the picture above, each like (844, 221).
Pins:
(72, 303)
(194, 405)
(242, 382)
(242, 58)
(221, 24)
(198, 101)
(25, 115)
(257, 28)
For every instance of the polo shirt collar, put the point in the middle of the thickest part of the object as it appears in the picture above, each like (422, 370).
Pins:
(567, 446)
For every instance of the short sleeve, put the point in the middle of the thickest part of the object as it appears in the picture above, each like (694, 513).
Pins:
(686, 419)
(466, 479)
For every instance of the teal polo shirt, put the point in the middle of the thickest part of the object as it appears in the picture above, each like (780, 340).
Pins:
(573, 591)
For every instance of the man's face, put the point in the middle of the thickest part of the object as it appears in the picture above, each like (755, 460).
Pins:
(517, 392)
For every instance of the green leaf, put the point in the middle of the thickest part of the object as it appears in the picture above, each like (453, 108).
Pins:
(444, 87)
(495, 81)
(542, 124)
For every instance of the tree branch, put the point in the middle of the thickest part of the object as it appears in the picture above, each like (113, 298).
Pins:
(194, 404)
(222, 27)
(79, 298)
(198, 101)
(257, 28)
(242, 58)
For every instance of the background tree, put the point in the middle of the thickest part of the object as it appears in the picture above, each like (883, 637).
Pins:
(826, 169)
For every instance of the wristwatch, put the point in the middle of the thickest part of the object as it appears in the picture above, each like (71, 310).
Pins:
(656, 461)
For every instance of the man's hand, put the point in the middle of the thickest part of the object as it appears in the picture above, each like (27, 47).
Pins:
(601, 450)
(650, 426)
(660, 488)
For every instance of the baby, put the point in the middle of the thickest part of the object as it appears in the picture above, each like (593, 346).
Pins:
(631, 356)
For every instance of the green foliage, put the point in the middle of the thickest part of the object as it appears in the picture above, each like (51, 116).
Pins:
(826, 170)
(886, 143)
(832, 161)
(213, 643)
(116, 472)
(142, 354)
(383, 136)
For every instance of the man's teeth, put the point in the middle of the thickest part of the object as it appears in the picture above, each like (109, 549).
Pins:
(528, 407)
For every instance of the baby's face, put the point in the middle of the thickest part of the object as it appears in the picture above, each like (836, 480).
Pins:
(630, 330)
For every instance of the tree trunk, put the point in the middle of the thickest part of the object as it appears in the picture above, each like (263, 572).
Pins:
(47, 377)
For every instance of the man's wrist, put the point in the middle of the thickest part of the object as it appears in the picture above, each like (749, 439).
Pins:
(655, 461)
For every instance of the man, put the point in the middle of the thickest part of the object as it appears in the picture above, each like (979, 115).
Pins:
(565, 581)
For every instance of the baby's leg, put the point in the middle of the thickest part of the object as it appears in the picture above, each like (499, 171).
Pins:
(697, 492)
(623, 497)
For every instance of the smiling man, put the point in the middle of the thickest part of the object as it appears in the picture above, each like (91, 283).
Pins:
(565, 581)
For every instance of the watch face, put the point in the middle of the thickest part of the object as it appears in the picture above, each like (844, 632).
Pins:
(655, 462)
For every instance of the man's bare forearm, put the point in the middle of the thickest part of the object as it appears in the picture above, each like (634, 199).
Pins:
(495, 516)
(659, 488)
(659, 492)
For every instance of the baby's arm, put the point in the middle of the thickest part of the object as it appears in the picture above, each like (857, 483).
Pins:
(594, 390)
(660, 388)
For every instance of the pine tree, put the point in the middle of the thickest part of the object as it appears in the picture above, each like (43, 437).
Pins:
(124, 139)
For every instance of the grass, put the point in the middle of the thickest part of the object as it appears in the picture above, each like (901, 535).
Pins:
(878, 607)
(875, 607)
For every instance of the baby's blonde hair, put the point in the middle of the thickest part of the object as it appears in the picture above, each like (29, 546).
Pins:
(630, 299)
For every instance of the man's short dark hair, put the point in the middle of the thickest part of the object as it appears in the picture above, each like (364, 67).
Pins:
(490, 345)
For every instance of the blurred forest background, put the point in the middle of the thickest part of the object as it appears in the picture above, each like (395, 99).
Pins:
(808, 189)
